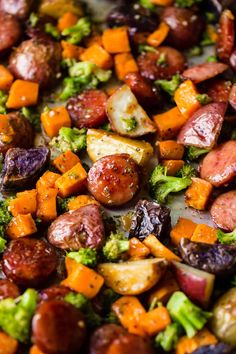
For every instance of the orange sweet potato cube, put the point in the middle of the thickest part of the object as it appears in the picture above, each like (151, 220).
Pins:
(198, 193)
(22, 94)
(116, 40)
(54, 119)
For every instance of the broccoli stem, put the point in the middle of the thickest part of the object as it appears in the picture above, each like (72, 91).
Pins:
(169, 337)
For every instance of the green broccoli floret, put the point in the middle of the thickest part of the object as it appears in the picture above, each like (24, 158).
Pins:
(187, 3)
(52, 30)
(77, 32)
(32, 116)
(169, 86)
(194, 153)
(5, 215)
(191, 317)
(227, 238)
(203, 99)
(16, 315)
(147, 4)
(3, 100)
(168, 339)
(69, 139)
(3, 242)
(130, 124)
(86, 256)
(115, 245)
(33, 19)
(93, 320)
(62, 204)
(162, 185)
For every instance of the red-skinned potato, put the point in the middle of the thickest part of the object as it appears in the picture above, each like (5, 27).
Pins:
(126, 116)
(196, 284)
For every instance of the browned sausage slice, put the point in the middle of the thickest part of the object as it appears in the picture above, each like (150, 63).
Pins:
(203, 128)
(78, 228)
(17, 8)
(8, 289)
(218, 90)
(202, 72)
(55, 292)
(10, 32)
(28, 261)
(142, 90)
(58, 328)
(186, 27)
(87, 110)
(103, 337)
(36, 60)
(223, 211)
(232, 97)
(225, 43)
(131, 344)
(151, 70)
(219, 165)
(114, 180)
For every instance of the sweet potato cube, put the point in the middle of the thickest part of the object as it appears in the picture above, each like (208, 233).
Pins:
(124, 64)
(80, 201)
(71, 51)
(198, 194)
(137, 249)
(204, 233)
(69, 19)
(6, 78)
(163, 290)
(158, 36)
(22, 94)
(116, 40)
(8, 345)
(184, 228)
(173, 166)
(48, 180)
(65, 161)
(20, 226)
(46, 204)
(158, 250)
(72, 181)
(24, 203)
(155, 321)
(186, 99)
(54, 119)
(98, 55)
(170, 150)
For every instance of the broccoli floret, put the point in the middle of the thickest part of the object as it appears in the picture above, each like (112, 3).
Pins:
(147, 4)
(111, 318)
(195, 52)
(168, 339)
(33, 19)
(162, 185)
(52, 30)
(86, 256)
(70, 139)
(227, 238)
(2, 239)
(62, 204)
(109, 296)
(212, 59)
(194, 153)
(33, 117)
(203, 99)
(5, 215)
(191, 317)
(93, 320)
(169, 86)
(187, 3)
(130, 124)
(77, 32)
(115, 245)
(3, 100)
(16, 315)
(142, 48)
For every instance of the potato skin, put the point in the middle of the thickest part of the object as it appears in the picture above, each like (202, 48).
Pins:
(114, 180)
(18, 8)
(37, 60)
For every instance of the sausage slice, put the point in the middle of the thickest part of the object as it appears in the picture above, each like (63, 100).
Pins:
(232, 97)
(17, 8)
(10, 32)
(226, 36)
(202, 72)
(8, 289)
(114, 180)
(223, 211)
(219, 165)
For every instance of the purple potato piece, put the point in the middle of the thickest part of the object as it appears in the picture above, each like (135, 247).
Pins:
(220, 348)
(18, 8)
(77, 229)
(203, 128)
(149, 218)
(216, 259)
(186, 27)
(37, 60)
(23, 167)
(20, 133)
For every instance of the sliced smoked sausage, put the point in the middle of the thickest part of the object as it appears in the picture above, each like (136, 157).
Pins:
(186, 27)
(223, 211)
(78, 228)
(232, 97)
(203, 128)
(58, 328)
(55, 292)
(111, 337)
(8, 289)
(17, 8)
(226, 36)
(151, 70)
(219, 90)
(114, 180)
(28, 261)
(88, 110)
(18, 133)
(202, 72)
(219, 165)
(10, 32)
(36, 60)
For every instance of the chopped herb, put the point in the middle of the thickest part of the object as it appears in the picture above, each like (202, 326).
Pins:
(147, 4)
(203, 99)
(146, 48)
(3, 100)
(169, 86)
(162, 59)
(33, 19)
(187, 3)
(210, 17)
(212, 59)
(206, 40)
(52, 30)
(130, 124)
(195, 51)
(77, 32)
